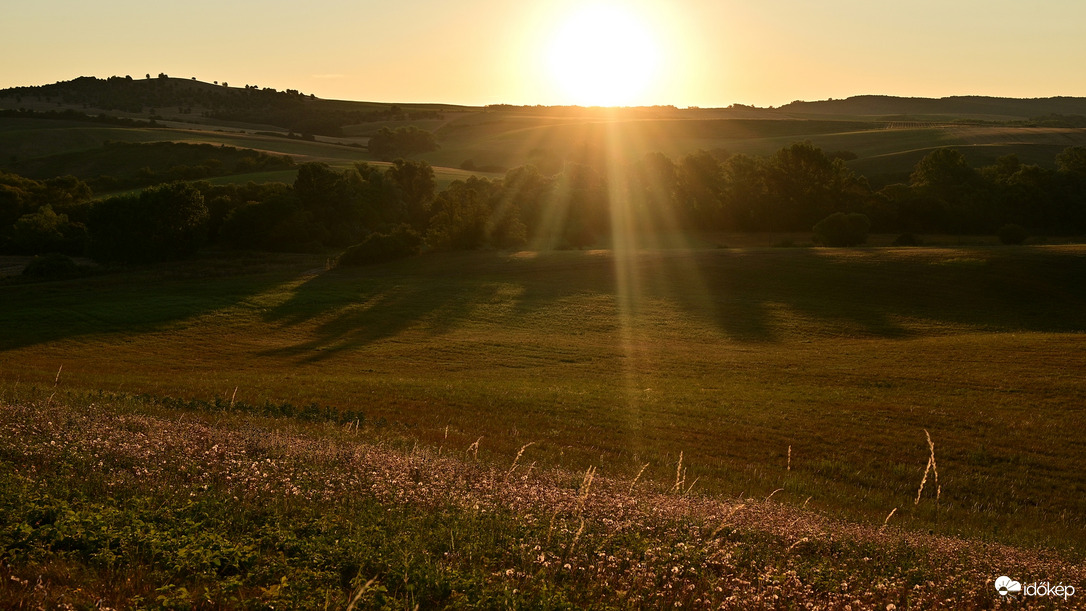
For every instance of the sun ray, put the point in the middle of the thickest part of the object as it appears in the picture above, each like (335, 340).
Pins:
(603, 55)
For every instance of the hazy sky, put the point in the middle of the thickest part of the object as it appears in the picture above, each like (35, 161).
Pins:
(682, 52)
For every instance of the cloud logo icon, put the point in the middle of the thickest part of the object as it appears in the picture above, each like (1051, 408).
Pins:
(1005, 585)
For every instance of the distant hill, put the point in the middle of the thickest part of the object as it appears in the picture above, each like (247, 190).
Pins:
(164, 97)
(948, 108)
(167, 97)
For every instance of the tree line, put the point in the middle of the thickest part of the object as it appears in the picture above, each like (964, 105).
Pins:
(289, 109)
(397, 209)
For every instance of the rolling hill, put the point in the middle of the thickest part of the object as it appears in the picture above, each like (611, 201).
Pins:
(885, 135)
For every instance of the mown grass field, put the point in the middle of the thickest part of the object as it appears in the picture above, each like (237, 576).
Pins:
(23, 139)
(813, 371)
(495, 140)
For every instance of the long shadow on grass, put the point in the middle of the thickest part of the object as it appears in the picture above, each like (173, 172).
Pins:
(355, 307)
(131, 302)
(754, 296)
(371, 314)
(766, 295)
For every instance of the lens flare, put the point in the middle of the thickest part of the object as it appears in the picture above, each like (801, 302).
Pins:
(603, 55)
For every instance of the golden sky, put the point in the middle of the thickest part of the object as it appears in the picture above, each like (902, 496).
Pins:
(681, 52)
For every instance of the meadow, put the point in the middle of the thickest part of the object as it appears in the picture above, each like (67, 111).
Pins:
(704, 420)
(730, 356)
(492, 141)
(798, 383)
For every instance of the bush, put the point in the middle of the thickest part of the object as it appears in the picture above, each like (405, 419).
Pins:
(163, 223)
(907, 239)
(46, 231)
(840, 229)
(399, 243)
(401, 142)
(53, 265)
(1012, 234)
(277, 224)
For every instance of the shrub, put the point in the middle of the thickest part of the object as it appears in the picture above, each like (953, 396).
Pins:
(46, 231)
(840, 229)
(53, 265)
(907, 239)
(402, 141)
(277, 224)
(163, 223)
(399, 243)
(1012, 234)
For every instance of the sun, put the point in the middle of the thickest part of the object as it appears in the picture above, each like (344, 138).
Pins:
(603, 55)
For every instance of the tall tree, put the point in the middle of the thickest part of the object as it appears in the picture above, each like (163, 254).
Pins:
(161, 223)
(414, 182)
(806, 185)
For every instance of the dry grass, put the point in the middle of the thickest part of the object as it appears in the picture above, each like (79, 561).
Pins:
(536, 534)
(731, 356)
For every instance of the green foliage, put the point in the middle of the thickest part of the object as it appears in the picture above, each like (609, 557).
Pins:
(46, 231)
(652, 201)
(223, 200)
(582, 204)
(468, 215)
(461, 215)
(701, 188)
(1012, 234)
(350, 204)
(907, 239)
(1072, 160)
(20, 196)
(804, 184)
(743, 194)
(162, 223)
(840, 229)
(326, 207)
(943, 169)
(414, 181)
(51, 266)
(526, 194)
(399, 243)
(388, 143)
(276, 224)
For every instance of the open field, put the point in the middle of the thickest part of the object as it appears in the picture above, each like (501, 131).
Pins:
(23, 139)
(814, 371)
(495, 140)
(111, 502)
(418, 433)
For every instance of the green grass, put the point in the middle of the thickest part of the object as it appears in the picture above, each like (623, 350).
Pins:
(506, 140)
(124, 502)
(884, 155)
(729, 356)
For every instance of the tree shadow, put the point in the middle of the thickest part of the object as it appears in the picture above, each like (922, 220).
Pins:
(766, 296)
(138, 300)
(770, 294)
(749, 296)
(348, 310)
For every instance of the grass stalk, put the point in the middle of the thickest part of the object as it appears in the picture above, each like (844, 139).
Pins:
(517, 459)
(680, 475)
(637, 477)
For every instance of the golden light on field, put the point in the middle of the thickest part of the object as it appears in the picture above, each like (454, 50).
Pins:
(603, 55)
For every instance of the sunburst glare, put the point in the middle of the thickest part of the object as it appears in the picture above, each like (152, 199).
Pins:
(603, 55)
